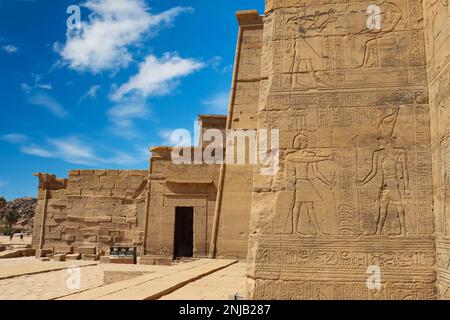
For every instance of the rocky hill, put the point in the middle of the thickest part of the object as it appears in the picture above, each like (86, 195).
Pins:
(24, 207)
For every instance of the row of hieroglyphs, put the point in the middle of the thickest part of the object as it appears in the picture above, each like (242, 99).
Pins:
(321, 290)
(349, 259)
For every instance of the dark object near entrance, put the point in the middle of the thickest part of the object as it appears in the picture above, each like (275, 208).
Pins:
(123, 255)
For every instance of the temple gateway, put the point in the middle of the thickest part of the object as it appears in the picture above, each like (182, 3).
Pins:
(359, 207)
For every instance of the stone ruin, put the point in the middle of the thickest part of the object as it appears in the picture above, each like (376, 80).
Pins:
(360, 94)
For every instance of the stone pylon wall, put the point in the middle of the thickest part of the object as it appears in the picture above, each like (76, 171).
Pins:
(437, 24)
(354, 191)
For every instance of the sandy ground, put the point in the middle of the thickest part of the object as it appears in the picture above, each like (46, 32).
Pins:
(16, 240)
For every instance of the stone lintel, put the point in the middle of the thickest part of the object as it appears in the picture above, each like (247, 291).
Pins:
(249, 17)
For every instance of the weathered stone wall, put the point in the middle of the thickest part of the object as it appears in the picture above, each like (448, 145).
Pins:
(437, 22)
(179, 185)
(50, 188)
(92, 207)
(236, 202)
(355, 187)
(211, 122)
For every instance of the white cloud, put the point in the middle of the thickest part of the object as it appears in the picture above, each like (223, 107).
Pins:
(37, 151)
(45, 86)
(14, 138)
(218, 104)
(114, 25)
(75, 149)
(216, 63)
(44, 100)
(166, 136)
(158, 76)
(122, 117)
(10, 48)
(178, 137)
(123, 159)
(91, 93)
(27, 88)
(70, 149)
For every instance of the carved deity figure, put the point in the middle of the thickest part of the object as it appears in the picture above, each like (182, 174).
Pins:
(302, 163)
(439, 23)
(391, 163)
(385, 37)
(300, 27)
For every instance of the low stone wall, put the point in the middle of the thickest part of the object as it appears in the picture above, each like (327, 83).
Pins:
(91, 208)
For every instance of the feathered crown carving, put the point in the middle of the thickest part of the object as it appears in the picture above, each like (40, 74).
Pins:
(386, 126)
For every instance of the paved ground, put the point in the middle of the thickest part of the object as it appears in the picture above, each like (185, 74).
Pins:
(27, 266)
(46, 286)
(217, 286)
(191, 280)
(153, 286)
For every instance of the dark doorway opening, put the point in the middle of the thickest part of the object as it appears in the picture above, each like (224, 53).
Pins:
(184, 232)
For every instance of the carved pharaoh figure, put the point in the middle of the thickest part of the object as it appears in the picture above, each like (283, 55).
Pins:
(301, 163)
(391, 162)
(304, 53)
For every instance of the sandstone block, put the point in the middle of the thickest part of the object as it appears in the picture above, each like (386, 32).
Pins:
(105, 259)
(106, 225)
(117, 239)
(74, 173)
(75, 218)
(132, 220)
(105, 218)
(100, 173)
(89, 257)
(60, 216)
(54, 235)
(48, 247)
(122, 226)
(74, 256)
(63, 249)
(87, 192)
(86, 250)
(155, 260)
(92, 239)
(122, 260)
(42, 252)
(69, 238)
(105, 239)
(108, 185)
(59, 257)
(119, 220)
(87, 172)
(113, 172)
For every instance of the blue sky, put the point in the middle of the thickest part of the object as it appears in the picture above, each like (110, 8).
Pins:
(99, 96)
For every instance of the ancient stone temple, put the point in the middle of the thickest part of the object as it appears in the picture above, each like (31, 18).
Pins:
(360, 94)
